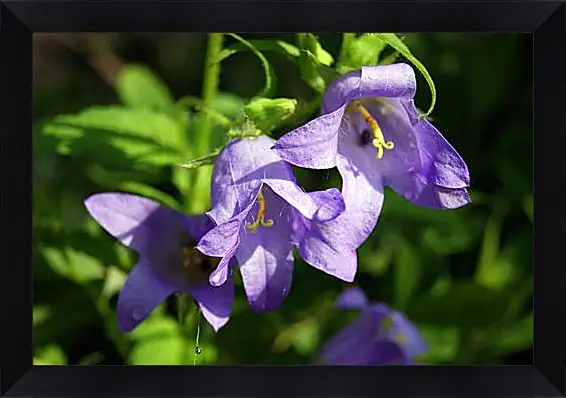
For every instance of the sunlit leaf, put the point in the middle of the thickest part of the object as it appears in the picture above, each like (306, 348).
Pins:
(75, 265)
(113, 281)
(360, 51)
(139, 87)
(140, 134)
(50, 355)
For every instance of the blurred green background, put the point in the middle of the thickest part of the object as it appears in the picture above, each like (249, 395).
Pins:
(463, 276)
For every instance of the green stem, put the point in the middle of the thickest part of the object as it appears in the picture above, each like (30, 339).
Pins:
(201, 194)
(209, 89)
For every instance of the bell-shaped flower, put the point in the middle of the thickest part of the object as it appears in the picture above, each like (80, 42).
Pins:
(380, 335)
(258, 207)
(372, 132)
(168, 261)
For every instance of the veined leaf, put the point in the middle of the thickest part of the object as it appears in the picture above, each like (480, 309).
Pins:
(109, 135)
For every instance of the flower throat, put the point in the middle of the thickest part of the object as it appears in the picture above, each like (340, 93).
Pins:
(374, 134)
(260, 219)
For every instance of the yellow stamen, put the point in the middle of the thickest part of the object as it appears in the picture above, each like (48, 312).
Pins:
(378, 138)
(260, 220)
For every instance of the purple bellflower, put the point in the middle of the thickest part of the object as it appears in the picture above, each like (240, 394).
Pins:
(380, 336)
(261, 213)
(371, 131)
(168, 261)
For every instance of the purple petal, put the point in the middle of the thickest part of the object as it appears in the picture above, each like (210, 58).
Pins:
(387, 353)
(353, 345)
(312, 145)
(412, 341)
(143, 291)
(140, 223)
(442, 165)
(331, 246)
(238, 175)
(215, 302)
(331, 204)
(198, 225)
(388, 81)
(436, 197)
(410, 169)
(221, 241)
(405, 158)
(266, 257)
(352, 297)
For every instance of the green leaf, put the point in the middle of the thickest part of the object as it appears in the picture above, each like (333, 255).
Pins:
(394, 41)
(113, 282)
(269, 87)
(149, 192)
(407, 270)
(115, 135)
(158, 342)
(442, 344)
(310, 43)
(50, 355)
(139, 87)
(465, 305)
(493, 270)
(313, 62)
(268, 114)
(528, 206)
(75, 265)
(514, 337)
(360, 51)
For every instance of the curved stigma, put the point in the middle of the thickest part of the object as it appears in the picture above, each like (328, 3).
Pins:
(260, 219)
(378, 140)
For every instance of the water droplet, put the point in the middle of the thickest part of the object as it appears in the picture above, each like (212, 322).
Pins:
(197, 350)
(138, 313)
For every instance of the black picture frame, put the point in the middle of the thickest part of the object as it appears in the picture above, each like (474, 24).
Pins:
(546, 21)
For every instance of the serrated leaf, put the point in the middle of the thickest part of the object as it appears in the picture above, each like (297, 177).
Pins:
(139, 87)
(270, 79)
(394, 41)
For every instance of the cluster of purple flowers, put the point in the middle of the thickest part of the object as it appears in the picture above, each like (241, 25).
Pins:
(371, 131)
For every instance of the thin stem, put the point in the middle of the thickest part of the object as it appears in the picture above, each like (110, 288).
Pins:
(209, 89)
(197, 346)
(200, 198)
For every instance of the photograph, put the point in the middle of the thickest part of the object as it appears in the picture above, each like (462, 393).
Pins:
(282, 199)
